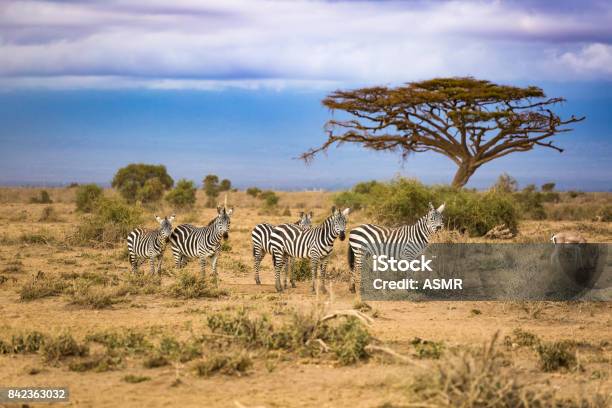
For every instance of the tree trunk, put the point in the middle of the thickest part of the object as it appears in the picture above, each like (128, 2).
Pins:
(463, 174)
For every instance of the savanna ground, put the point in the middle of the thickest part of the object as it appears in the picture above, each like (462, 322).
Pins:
(132, 342)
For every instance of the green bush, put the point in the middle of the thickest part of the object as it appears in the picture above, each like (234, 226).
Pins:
(357, 197)
(86, 196)
(42, 198)
(556, 355)
(144, 182)
(253, 191)
(183, 195)
(403, 201)
(530, 203)
(110, 222)
(269, 198)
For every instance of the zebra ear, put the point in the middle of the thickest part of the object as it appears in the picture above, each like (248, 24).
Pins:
(310, 214)
(301, 214)
(334, 209)
(441, 208)
(431, 207)
(346, 211)
(230, 211)
(158, 219)
(219, 208)
(172, 217)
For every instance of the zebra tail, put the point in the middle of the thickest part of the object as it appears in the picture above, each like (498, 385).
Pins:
(351, 258)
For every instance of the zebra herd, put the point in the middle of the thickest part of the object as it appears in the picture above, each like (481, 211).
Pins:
(283, 242)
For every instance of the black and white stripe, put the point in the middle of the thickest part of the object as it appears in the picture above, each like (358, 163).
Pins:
(261, 235)
(190, 242)
(407, 241)
(143, 244)
(315, 244)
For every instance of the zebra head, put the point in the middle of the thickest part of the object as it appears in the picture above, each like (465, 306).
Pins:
(339, 219)
(434, 218)
(222, 222)
(165, 224)
(305, 221)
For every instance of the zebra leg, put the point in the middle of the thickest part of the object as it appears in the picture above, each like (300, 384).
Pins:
(213, 264)
(356, 269)
(291, 276)
(257, 257)
(287, 270)
(203, 267)
(314, 266)
(323, 267)
(278, 266)
(159, 264)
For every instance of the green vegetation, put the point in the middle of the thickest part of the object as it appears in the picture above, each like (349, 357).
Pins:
(62, 346)
(142, 182)
(183, 195)
(212, 187)
(404, 201)
(111, 221)
(556, 355)
(304, 334)
(86, 197)
(427, 348)
(135, 379)
(41, 286)
(42, 198)
(269, 198)
(253, 191)
(227, 364)
(190, 286)
(49, 215)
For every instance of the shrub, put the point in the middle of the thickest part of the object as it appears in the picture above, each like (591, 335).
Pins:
(269, 198)
(86, 197)
(183, 195)
(227, 364)
(225, 185)
(190, 286)
(404, 201)
(210, 184)
(41, 286)
(357, 198)
(88, 295)
(556, 355)
(42, 198)
(522, 338)
(300, 269)
(427, 348)
(98, 363)
(475, 378)
(253, 191)
(145, 182)
(27, 343)
(55, 349)
(548, 187)
(110, 222)
(505, 184)
(49, 215)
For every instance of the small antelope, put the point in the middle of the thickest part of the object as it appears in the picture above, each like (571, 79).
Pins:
(568, 238)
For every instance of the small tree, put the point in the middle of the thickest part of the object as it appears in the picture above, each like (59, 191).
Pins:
(183, 195)
(253, 191)
(506, 184)
(470, 121)
(210, 184)
(86, 196)
(145, 182)
(43, 198)
(548, 187)
(225, 185)
(269, 198)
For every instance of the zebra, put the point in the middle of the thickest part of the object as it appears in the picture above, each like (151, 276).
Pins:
(189, 241)
(315, 244)
(144, 244)
(410, 240)
(261, 235)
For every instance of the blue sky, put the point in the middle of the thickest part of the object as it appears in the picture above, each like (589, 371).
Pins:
(234, 87)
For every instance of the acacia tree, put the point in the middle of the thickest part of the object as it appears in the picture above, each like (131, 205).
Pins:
(468, 120)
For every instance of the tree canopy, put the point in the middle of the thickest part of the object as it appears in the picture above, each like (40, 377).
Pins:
(144, 182)
(468, 120)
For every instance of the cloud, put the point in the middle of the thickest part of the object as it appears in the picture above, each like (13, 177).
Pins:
(202, 44)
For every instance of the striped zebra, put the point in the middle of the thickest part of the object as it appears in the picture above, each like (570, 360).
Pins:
(407, 241)
(261, 235)
(143, 244)
(189, 241)
(315, 244)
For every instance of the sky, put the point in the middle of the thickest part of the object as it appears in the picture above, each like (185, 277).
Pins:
(234, 87)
